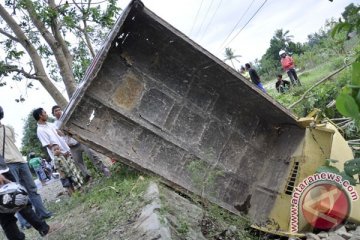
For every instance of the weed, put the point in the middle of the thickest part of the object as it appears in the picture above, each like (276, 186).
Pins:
(203, 176)
(183, 227)
(107, 204)
(218, 221)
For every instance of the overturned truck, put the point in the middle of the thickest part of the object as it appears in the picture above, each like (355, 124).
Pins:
(162, 104)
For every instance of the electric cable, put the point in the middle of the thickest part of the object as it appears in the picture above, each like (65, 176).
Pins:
(197, 14)
(211, 19)
(236, 25)
(247, 22)
(206, 14)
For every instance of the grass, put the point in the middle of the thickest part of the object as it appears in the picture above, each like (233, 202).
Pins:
(220, 220)
(321, 95)
(107, 208)
(103, 207)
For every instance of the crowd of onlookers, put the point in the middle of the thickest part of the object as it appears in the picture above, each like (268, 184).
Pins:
(66, 161)
(281, 85)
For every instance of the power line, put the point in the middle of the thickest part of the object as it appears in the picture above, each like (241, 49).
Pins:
(207, 12)
(197, 14)
(248, 21)
(211, 19)
(236, 25)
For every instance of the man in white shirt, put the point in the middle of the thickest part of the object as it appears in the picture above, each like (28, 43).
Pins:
(77, 149)
(48, 134)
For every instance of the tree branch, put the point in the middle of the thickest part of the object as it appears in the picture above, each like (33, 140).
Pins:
(65, 70)
(2, 31)
(87, 39)
(317, 84)
(13, 68)
(92, 3)
(36, 59)
(26, 74)
(55, 28)
(83, 30)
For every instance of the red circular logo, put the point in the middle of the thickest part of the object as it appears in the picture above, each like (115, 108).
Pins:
(325, 206)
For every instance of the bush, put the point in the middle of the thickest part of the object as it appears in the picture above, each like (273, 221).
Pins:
(337, 63)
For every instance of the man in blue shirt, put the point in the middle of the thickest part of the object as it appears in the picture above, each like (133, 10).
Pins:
(254, 77)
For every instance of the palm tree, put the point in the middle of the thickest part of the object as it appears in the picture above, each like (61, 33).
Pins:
(230, 56)
(283, 37)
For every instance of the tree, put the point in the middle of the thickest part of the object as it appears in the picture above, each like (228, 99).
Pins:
(270, 60)
(30, 142)
(230, 56)
(283, 37)
(351, 14)
(38, 34)
(315, 38)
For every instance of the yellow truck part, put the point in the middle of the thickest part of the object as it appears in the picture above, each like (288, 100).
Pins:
(320, 144)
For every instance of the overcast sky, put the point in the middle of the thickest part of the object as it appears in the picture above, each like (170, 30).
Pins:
(209, 28)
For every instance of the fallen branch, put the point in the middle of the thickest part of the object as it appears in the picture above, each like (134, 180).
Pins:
(316, 84)
(346, 125)
(339, 119)
(340, 124)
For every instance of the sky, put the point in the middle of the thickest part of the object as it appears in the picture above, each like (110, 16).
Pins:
(209, 25)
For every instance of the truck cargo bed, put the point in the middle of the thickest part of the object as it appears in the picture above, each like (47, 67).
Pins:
(162, 104)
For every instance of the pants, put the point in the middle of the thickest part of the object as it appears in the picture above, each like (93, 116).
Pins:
(259, 85)
(22, 175)
(8, 220)
(77, 154)
(40, 173)
(293, 76)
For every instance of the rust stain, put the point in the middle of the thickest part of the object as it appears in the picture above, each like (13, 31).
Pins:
(129, 91)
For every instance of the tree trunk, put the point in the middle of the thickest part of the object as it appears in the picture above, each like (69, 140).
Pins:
(30, 49)
(57, 48)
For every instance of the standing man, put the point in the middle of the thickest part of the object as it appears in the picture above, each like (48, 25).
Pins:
(48, 134)
(288, 65)
(8, 220)
(19, 168)
(77, 149)
(254, 77)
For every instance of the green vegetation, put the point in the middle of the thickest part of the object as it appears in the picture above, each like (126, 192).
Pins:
(351, 168)
(183, 227)
(335, 46)
(238, 227)
(30, 141)
(348, 102)
(320, 96)
(105, 205)
(35, 41)
(203, 177)
(107, 208)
